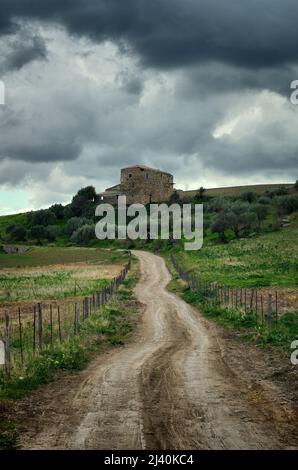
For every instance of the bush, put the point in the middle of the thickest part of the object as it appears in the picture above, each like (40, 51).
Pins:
(42, 217)
(217, 204)
(38, 232)
(276, 192)
(53, 232)
(265, 200)
(286, 204)
(84, 234)
(261, 211)
(74, 223)
(16, 232)
(248, 196)
(223, 221)
(296, 185)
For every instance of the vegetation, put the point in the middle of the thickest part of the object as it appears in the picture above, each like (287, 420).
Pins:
(109, 326)
(56, 273)
(249, 326)
(270, 259)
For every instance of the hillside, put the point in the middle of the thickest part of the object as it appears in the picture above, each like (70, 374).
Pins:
(259, 189)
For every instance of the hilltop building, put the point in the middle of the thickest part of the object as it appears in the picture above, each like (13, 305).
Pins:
(141, 184)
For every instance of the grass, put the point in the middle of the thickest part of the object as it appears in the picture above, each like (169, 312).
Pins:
(251, 329)
(108, 327)
(270, 259)
(48, 285)
(50, 255)
(45, 273)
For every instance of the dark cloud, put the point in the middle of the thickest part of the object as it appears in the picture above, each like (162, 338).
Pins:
(171, 33)
(24, 51)
(199, 88)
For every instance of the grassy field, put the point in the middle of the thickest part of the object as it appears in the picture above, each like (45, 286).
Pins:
(270, 259)
(44, 273)
(50, 255)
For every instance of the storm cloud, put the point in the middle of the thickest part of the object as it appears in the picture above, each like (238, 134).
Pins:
(171, 33)
(196, 87)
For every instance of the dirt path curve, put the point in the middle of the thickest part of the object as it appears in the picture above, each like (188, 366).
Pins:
(168, 389)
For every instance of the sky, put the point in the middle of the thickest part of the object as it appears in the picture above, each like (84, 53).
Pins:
(199, 88)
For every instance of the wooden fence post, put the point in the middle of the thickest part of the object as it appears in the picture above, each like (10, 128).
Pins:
(262, 309)
(21, 336)
(269, 311)
(51, 323)
(256, 307)
(39, 318)
(7, 344)
(251, 298)
(59, 323)
(34, 329)
(77, 317)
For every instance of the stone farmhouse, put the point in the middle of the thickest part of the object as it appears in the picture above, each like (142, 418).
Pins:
(140, 184)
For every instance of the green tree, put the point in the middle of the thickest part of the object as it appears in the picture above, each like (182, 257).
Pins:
(84, 234)
(74, 223)
(286, 204)
(42, 217)
(16, 232)
(249, 196)
(223, 221)
(39, 233)
(53, 232)
(58, 210)
(200, 195)
(261, 211)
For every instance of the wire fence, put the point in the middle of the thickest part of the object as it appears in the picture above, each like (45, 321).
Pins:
(244, 301)
(26, 334)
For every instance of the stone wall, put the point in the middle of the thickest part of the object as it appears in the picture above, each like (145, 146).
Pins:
(144, 185)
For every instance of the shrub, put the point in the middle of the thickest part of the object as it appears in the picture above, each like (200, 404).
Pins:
(84, 234)
(223, 221)
(217, 204)
(261, 211)
(53, 232)
(265, 200)
(286, 204)
(39, 233)
(42, 217)
(248, 196)
(282, 191)
(74, 223)
(16, 232)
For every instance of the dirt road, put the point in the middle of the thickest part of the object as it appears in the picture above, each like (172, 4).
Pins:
(168, 389)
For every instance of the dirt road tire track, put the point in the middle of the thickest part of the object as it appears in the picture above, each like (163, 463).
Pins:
(168, 389)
